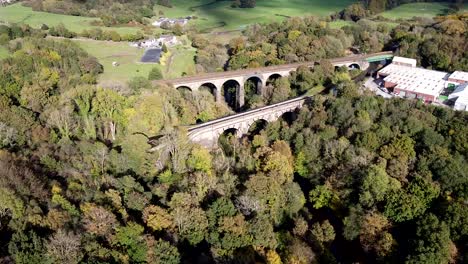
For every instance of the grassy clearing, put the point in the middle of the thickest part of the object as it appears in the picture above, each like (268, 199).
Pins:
(17, 13)
(182, 62)
(219, 16)
(3, 52)
(408, 11)
(340, 23)
(126, 56)
(181, 59)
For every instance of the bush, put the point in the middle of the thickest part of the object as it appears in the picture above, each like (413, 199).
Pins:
(155, 74)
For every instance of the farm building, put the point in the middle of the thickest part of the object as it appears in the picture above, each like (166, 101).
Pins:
(6, 2)
(412, 82)
(460, 97)
(168, 40)
(171, 21)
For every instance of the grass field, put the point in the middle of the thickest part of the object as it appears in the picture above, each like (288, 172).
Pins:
(3, 52)
(128, 59)
(339, 23)
(219, 16)
(121, 52)
(182, 61)
(428, 10)
(17, 13)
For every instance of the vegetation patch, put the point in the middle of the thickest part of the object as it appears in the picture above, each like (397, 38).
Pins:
(3, 52)
(408, 11)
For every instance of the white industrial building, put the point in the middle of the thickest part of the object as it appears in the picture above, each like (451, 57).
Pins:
(404, 79)
(404, 61)
(411, 82)
(460, 97)
(458, 77)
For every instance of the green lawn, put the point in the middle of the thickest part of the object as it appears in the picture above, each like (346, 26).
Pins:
(129, 57)
(407, 11)
(3, 52)
(212, 15)
(340, 23)
(182, 62)
(219, 16)
(121, 52)
(17, 13)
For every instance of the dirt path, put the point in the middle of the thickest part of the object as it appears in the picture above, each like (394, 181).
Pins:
(168, 64)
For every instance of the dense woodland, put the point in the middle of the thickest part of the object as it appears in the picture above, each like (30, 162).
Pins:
(348, 178)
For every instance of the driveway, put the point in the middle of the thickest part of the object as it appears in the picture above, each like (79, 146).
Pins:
(372, 85)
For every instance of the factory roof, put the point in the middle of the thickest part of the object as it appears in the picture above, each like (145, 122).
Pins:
(404, 60)
(459, 75)
(417, 80)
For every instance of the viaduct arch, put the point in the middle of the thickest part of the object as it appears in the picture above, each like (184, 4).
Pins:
(216, 81)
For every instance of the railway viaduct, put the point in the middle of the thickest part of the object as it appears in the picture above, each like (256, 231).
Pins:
(216, 82)
(207, 134)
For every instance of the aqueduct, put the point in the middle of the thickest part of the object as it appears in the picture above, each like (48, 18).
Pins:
(217, 83)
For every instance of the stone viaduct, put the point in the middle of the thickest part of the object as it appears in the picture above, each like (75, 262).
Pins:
(207, 134)
(216, 82)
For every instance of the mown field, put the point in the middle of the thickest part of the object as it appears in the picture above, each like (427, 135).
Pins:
(17, 13)
(180, 63)
(121, 52)
(219, 16)
(408, 11)
(181, 60)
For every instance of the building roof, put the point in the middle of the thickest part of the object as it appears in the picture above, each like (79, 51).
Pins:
(166, 37)
(410, 61)
(460, 94)
(417, 80)
(459, 75)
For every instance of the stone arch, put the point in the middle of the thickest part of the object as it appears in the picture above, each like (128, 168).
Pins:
(210, 87)
(289, 116)
(231, 90)
(258, 83)
(231, 130)
(184, 90)
(273, 77)
(353, 66)
(256, 126)
(225, 138)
